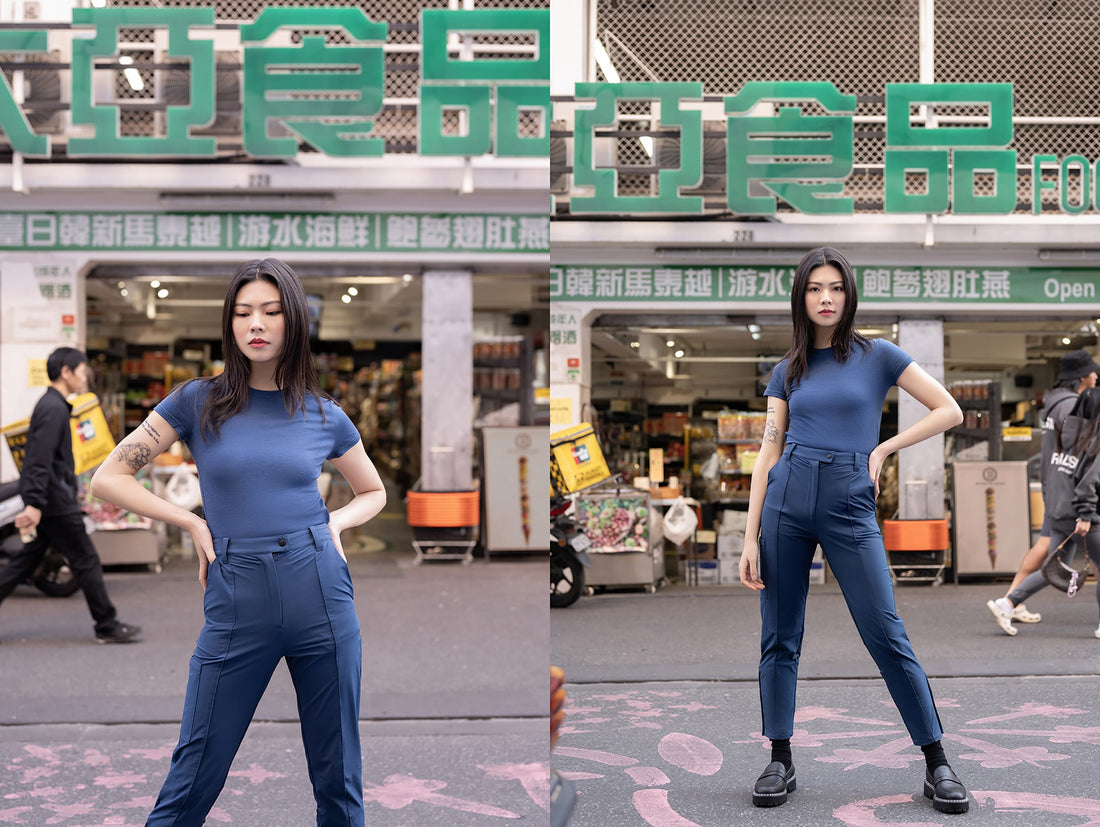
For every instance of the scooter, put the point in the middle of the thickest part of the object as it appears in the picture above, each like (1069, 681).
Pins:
(53, 577)
(568, 557)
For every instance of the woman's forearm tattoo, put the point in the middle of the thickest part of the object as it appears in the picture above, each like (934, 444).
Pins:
(771, 433)
(149, 429)
(134, 457)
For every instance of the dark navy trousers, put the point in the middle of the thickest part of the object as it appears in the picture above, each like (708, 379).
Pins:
(817, 496)
(269, 598)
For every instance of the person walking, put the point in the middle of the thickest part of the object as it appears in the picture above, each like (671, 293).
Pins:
(815, 482)
(275, 578)
(1078, 373)
(51, 515)
(1072, 493)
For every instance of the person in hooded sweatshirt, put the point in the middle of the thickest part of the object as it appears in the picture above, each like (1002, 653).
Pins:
(1078, 372)
(1072, 492)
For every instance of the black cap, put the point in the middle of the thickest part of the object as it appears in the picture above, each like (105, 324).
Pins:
(1075, 364)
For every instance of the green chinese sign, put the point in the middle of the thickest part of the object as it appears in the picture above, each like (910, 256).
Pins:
(326, 95)
(276, 232)
(776, 150)
(895, 285)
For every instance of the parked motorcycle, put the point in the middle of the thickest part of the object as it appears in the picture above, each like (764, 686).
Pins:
(568, 557)
(53, 577)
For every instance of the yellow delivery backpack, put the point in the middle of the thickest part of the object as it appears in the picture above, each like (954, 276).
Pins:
(92, 440)
(576, 460)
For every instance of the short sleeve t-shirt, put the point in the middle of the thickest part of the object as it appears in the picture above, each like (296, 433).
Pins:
(838, 405)
(259, 476)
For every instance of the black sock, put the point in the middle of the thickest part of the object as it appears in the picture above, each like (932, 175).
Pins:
(933, 755)
(781, 751)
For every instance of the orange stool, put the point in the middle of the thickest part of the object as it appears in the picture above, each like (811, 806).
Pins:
(442, 520)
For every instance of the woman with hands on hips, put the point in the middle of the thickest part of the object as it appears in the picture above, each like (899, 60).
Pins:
(276, 582)
(815, 482)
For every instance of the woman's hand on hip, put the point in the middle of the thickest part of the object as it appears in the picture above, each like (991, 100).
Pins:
(204, 546)
(874, 468)
(335, 528)
(750, 571)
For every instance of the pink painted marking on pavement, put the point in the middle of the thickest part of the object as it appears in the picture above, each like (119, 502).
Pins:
(399, 791)
(35, 773)
(116, 780)
(581, 776)
(694, 706)
(643, 705)
(217, 814)
(644, 725)
(642, 713)
(993, 756)
(648, 776)
(665, 694)
(535, 779)
(822, 713)
(862, 813)
(47, 792)
(888, 756)
(690, 753)
(1025, 802)
(119, 821)
(804, 738)
(623, 696)
(140, 802)
(158, 754)
(95, 758)
(585, 721)
(1030, 710)
(581, 710)
(1058, 735)
(653, 806)
(61, 812)
(12, 815)
(256, 774)
(600, 757)
(565, 729)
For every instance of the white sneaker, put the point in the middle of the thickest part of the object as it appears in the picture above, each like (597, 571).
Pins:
(1021, 614)
(1097, 632)
(1003, 618)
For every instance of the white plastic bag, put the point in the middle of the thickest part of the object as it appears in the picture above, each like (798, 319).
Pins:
(183, 489)
(680, 521)
(709, 470)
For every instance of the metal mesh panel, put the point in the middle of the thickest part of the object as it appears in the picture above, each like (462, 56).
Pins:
(1047, 50)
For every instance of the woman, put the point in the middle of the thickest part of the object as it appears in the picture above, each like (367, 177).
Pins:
(276, 583)
(816, 481)
(1073, 480)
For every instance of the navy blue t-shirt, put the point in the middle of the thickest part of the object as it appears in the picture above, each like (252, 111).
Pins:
(839, 405)
(259, 476)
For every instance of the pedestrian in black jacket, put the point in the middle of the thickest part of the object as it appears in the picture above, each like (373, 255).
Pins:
(1073, 491)
(51, 512)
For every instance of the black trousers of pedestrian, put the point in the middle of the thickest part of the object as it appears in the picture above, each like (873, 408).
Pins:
(66, 533)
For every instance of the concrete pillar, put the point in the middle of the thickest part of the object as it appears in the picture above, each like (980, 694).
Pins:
(920, 466)
(446, 396)
(570, 364)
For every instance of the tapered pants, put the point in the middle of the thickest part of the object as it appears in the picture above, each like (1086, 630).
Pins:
(269, 598)
(817, 496)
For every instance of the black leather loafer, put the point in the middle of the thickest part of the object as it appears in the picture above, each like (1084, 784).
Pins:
(773, 785)
(946, 790)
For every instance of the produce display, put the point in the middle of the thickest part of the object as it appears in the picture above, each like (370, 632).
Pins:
(615, 523)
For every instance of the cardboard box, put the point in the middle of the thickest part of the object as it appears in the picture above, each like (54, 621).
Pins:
(708, 572)
(729, 572)
(706, 545)
(729, 546)
(817, 567)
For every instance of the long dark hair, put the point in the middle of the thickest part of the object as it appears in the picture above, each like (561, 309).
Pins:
(1087, 408)
(295, 373)
(844, 334)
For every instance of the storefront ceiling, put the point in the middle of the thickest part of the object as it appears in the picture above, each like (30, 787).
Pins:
(711, 340)
(385, 298)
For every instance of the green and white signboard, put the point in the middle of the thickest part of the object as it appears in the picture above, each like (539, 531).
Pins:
(327, 95)
(776, 151)
(275, 232)
(989, 286)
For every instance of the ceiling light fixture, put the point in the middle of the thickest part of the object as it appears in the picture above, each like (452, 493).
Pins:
(678, 354)
(1065, 340)
(155, 283)
(670, 343)
(635, 344)
(162, 293)
(346, 299)
(353, 291)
